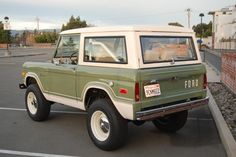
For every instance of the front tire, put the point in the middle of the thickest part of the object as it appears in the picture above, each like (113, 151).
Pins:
(171, 123)
(106, 127)
(37, 106)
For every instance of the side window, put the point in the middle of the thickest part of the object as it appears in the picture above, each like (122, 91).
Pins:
(68, 46)
(105, 49)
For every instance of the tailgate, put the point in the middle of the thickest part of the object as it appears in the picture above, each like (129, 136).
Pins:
(171, 84)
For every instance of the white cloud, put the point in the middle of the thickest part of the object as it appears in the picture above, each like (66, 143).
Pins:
(53, 13)
(28, 25)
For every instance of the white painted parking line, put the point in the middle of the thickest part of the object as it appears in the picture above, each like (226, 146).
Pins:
(63, 112)
(20, 153)
(12, 109)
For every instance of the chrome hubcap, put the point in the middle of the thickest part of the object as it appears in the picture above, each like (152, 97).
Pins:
(104, 125)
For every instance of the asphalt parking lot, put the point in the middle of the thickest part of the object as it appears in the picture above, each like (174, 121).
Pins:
(65, 132)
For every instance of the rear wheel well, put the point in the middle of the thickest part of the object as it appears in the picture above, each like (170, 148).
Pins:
(94, 94)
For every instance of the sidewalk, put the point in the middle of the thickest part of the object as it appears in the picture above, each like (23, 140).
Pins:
(21, 52)
(212, 74)
(224, 132)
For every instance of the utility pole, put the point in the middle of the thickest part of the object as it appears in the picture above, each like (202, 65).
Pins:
(37, 20)
(189, 16)
(201, 15)
(7, 29)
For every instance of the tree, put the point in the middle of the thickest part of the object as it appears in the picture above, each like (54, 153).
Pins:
(206, 29)
(5, 35)
(46, 37)
(74, 23)
(175, 24)
(16, 39)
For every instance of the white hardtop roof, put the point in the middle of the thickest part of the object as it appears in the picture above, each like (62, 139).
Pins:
(171, 29)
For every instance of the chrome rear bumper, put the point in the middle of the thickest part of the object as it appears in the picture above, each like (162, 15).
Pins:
(160, 112)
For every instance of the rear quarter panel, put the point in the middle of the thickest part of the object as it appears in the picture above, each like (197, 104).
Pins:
(112, 79)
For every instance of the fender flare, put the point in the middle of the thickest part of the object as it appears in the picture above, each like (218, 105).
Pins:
(123, 106)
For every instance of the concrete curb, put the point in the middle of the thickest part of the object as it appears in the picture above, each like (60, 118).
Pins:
(224, 132)
(213, 68)
(23, 55)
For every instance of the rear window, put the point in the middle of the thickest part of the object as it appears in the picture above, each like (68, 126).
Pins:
(157, 49)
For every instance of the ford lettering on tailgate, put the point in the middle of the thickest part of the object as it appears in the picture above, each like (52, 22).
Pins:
(191, 83)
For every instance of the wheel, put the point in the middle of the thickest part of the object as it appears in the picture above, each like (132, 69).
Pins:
(106, 127)
(37, 106)
(172, 122)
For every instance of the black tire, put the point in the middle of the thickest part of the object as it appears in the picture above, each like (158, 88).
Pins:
(138, 122)
(112, 128)
(37, 106)
(171, 123)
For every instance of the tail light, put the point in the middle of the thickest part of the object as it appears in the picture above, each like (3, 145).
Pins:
(137, 92)
(205, 81)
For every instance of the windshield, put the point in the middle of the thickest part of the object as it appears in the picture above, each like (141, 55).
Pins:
(67, 46)
(157, 49)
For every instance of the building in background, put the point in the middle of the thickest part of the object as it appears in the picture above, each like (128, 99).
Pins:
(224, 28)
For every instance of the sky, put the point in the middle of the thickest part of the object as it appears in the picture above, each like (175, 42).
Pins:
(53, 13)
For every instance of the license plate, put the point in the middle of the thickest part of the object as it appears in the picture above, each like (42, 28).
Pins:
(152, 90)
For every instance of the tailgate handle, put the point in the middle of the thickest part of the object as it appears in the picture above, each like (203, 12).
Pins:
(174, 78)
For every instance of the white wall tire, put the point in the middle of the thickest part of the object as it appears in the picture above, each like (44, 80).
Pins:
(38, 108)
(106, 127)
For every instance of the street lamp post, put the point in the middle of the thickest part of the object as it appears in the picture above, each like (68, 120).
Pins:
(7, 28)
(201, 15)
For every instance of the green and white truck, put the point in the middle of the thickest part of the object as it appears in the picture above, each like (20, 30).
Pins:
(120, 75)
